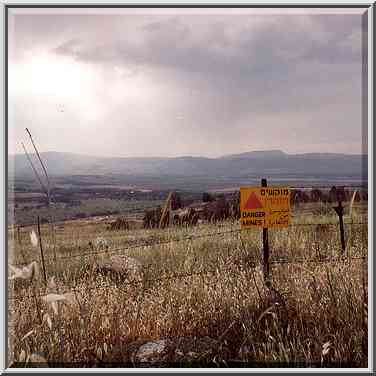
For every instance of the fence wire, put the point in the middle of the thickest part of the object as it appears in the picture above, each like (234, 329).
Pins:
(116, 251)
(175, 276)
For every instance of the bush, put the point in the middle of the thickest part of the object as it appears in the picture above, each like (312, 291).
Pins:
(207, 197)
(80, 215)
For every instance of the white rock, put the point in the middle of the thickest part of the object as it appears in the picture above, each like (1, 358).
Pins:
(27, 272)
(100, 242)
(121, 264)
(151, 351)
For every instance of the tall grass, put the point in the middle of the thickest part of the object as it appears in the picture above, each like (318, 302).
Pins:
(319, 319)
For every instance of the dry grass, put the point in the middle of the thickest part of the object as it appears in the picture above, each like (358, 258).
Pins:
(320, 318)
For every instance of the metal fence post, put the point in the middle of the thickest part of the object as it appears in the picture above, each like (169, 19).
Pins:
(265, 244)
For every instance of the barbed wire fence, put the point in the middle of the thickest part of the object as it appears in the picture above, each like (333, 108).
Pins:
(120, 251)
(116, 251)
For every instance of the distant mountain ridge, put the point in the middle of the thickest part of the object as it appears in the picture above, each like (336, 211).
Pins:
(257, 154)
(238, 165)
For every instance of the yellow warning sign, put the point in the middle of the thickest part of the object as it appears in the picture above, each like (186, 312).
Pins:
(264, 207)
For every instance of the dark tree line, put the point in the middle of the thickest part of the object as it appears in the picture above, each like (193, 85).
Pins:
(333, 195)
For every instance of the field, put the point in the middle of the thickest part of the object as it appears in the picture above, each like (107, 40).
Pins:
(85, 201)
(199, 295)
(86, 208)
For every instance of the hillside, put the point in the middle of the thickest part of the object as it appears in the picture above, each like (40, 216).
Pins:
(274, 162)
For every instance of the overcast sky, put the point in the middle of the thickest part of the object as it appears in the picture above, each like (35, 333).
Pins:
(185, 82)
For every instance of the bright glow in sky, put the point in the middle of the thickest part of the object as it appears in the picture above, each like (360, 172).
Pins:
(136, 83)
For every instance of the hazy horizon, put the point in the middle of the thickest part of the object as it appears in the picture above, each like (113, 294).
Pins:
(181, 82)
(180, 156)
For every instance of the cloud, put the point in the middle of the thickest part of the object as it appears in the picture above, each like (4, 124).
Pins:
(190, 44)
(206, 80)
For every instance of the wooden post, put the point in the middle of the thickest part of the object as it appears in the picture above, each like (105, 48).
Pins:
(265, 245)
(41, 252)
(20, 244)
(339, 211)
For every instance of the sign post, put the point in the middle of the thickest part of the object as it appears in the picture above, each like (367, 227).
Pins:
(265, 244)
(264, 207)
(339, 211)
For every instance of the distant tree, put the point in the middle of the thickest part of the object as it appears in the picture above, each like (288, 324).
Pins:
(217, 210)
(298, 196)
(235, 206)
(206, 197)
(338, 194)
(333, 194)
(317, 195)
(80, 215)
(364, 195)
(342, 194)
(176, 202)
(151, 217)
